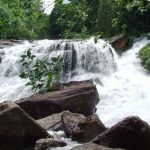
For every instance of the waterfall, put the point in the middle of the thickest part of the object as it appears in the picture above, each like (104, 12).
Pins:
(126, 92)
(122, 83)
(80, 57)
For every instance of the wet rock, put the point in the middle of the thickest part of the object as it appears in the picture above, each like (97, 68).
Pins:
(78, 97)
(132, 134)
(52, 122)
(4, 43)
(119, 41)
(44, 144)
(81, 128)
(92, 146)
(17, 128)
(1, 55)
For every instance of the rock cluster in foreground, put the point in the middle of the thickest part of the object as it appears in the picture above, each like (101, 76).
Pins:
(80, 128)
(78, 97)
(19, 129)
(132, 134)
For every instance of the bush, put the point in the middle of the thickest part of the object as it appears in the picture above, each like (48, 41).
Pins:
(42, 73)
(144, 54)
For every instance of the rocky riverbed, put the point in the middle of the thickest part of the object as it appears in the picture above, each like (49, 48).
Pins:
(71, 109)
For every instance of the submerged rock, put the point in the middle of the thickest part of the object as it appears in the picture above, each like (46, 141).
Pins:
(4, 43)
(132, 134)
(44, 144)
(17, 129)
(78, 97)
(1, 55)
(92, 146)
(81, 128)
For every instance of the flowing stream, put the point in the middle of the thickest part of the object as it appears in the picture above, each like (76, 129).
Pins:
(122, 83)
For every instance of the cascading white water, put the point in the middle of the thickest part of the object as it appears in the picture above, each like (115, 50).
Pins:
(79, 57)
(122, 83)
(126, 92)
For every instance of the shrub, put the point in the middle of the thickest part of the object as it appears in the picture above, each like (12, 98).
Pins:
(42, 73)
(144, 54)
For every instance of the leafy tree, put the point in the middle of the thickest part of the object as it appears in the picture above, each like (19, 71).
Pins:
(70, 19)
(22, 19)
(82, 18)
(106, 13)
(42, 73)
(132, 16)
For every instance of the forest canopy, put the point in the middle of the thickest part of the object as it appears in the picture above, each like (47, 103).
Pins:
(24, 19)
(105, 18)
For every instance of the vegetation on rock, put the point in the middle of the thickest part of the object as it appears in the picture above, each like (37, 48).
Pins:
(144, 54)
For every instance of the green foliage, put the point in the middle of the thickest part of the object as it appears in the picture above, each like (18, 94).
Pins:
(41, 73)
(69, 20)
(84, 18)
(72, 20)
(132, 16)
(106, 13)
(144, 54)
(148, 35)
(22, 19)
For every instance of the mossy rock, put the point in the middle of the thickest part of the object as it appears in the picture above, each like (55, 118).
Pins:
(144, 55)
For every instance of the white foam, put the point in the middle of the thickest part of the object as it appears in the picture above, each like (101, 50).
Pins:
(124, 88)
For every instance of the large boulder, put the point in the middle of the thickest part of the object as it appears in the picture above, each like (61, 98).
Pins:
(44, 144)
(132, 134)
(17, 129)
(52, 122)
(92, 146)
(81, 128)
(78, 97)
(119, 41)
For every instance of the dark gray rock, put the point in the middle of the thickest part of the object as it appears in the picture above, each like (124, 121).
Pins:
(1, 55)
(81, 128)
(17, 128)
(92, 146)
(78, 97)
(52, 122)
(44, 144)
(132, 134)
(4, 43)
